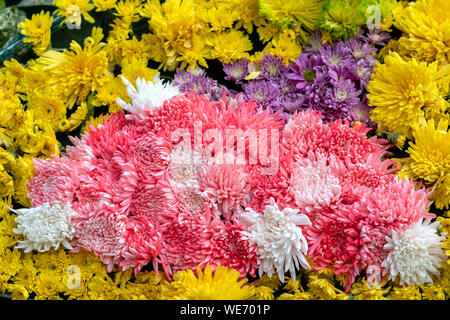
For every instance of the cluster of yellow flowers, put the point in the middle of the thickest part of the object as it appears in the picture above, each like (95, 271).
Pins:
(410, 92)
(60, 90)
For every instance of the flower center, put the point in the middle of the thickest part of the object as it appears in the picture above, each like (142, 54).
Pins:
(341, 94)
(259, 95)
(335, 60)
(309, 75)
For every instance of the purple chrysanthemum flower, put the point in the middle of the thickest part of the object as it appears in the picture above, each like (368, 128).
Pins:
(341, 73)
(315, 92)
(314, 44)
(237, 71)
(304, 70)
(202, 84)
(334, 56)
(265, 93)
(377, 37)
(292, 102)
(363, 71)
(360, 50)
(272, 67)
(342, 96)
(360, 112)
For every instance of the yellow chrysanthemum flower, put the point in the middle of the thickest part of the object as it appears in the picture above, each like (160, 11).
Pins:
(429, 160)
(52, 261)
(6, 183)
(304, 13)
(47, 107)
(128, 10)
(364, 290)
(405, 93)
(77, 118)
(222, 284)
(432, 292)
(103, 5)
(247, 12)
(426, 29)
(323, 289)
(180, 26)
(107, 94)
(267, 30)
(229, 46)
(405, 293)
(37, 31)
(137, 68)
(74, 73)
(23, 171)
(285, 46)
(28, 273)
(102, 287)
(48, 286)
(145, 287)
(221, 17)
(74, 10)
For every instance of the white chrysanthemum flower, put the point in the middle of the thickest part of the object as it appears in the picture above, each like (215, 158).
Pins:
(278, 237)
(147, 95)
(414, 254)
(45, 227)
(313, 185)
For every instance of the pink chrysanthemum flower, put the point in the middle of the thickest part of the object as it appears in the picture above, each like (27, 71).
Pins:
(334, 240)
(102, 230)
(232, 248)
(155, 200)
(305, 132)
(187, 242)
(151, 155)
(143, 243)
(56, 180)
(227, 186)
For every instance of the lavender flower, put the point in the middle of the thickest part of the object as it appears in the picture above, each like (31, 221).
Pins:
(360, 50)
(265, 93)
(272, 67)
(304, 70)
(237, 71)
(343, 95)
(333, 56)
(314, 44)
(360, 112)
(377, 37)
(315, 92)
(188, 81)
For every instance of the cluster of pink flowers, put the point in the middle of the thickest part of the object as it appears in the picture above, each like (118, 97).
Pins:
(145, 194)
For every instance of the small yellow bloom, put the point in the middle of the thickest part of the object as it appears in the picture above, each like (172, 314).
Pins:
(37, 31)
(103, 5)
(405, 93)
(429, 160)
(74, 10)
(222, 284)
(229, 46)
(6, 183)
(48, 286)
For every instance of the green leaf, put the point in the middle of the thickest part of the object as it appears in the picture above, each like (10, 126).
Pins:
(2, 4)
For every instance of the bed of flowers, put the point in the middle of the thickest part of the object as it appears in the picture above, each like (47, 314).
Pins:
(225, 149)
